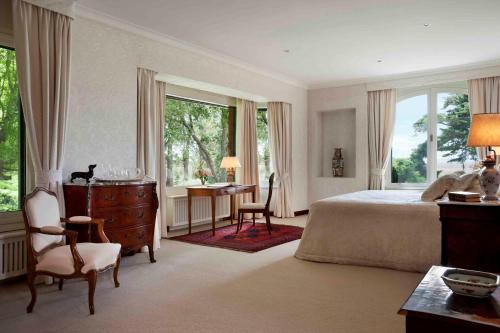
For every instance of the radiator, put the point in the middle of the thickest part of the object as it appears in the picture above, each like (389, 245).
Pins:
(12, 254)
(177, 210)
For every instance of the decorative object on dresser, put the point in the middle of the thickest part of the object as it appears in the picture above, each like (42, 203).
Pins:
(470, 234)
(257, 207)
(87, 176)
(432, 307)
(230, 163)
(338, 163)
(47, 254)
(128, 210)
(485, 132)
(471, 283)
(464, 196)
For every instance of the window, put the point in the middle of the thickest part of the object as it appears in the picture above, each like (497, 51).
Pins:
(197, 136)
(11, 135)
(263, 147)
(430, 136)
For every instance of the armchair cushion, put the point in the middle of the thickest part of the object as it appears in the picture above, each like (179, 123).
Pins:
(80, 219)
(253, 205)
(95, 256)
(43, 210)
(52, 229)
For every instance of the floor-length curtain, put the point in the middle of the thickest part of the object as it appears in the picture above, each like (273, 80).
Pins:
(150, 145)
(280, 136)
(484, 97)
(249, 157)
(381, 112)
(43, 45)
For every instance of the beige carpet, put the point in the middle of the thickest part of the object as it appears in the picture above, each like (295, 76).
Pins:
(202, 289)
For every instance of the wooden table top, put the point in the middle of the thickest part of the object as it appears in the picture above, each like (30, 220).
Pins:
(433, 297)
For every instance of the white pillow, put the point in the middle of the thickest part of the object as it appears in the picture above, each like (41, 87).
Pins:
(441, 186)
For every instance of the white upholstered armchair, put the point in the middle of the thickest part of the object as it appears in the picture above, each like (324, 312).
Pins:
(48, 254)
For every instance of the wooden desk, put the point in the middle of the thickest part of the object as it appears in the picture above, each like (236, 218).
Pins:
(213, 192)
(470, 235)
(432, 307)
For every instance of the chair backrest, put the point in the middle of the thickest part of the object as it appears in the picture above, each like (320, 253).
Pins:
(41, 209)
(270, 191)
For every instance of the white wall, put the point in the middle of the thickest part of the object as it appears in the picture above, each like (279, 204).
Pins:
(331, 99)
(102, 115)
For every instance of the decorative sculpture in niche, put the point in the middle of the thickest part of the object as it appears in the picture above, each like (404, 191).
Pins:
(338, 163)
(84, 175)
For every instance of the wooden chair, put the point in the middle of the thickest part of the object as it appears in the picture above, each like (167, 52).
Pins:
(257, 207)
(48, 255)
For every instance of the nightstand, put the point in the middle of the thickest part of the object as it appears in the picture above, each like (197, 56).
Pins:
(470, 236)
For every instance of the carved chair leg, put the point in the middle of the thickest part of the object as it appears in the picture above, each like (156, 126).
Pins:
(92, 278)
(31, 285)
(268, 223)
(115, 271)
(61, 282)
(151, 253)
(238, 226)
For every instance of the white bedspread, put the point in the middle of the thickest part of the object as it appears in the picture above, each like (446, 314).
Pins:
(392, 229)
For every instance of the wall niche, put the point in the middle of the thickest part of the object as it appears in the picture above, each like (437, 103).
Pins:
(338, 130)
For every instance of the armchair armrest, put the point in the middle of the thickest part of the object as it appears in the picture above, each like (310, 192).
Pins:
(99, 223)
(70, 234)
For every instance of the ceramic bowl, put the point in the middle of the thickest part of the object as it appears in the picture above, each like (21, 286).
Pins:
(471, 283)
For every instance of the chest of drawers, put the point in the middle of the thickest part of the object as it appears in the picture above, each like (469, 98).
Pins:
(128, 210)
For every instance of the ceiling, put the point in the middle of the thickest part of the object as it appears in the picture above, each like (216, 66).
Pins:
(330, 42)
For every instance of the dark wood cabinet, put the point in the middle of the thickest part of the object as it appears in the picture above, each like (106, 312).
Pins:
(128, 210)
(471, 235)
(432, 307)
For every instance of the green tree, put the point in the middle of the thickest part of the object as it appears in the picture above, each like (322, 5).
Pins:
(196, 136)
(9, 131)
(456, 122)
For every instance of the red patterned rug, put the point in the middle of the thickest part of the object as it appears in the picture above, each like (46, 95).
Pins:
(249, 239)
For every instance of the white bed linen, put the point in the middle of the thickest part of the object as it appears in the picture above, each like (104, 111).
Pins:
(392, 229)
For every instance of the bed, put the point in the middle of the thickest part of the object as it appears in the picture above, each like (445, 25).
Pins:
(391, 229)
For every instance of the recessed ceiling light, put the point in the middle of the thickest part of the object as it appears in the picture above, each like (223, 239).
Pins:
(427, 25)
(379, 60)
(286, 51)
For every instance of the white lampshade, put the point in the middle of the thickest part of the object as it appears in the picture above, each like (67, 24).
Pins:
(230, 162)
(484, 130)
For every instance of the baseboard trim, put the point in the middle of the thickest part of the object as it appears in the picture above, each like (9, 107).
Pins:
(302, 212)
(296, 213)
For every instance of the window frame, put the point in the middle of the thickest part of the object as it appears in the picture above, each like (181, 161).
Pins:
(232, 119)
(432, 128)
(13, 220)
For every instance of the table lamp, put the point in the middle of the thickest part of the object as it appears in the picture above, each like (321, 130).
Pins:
(230, 163)
(485, 132)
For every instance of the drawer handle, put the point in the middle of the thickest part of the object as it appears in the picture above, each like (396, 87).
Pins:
(109, 197)
(141, 194)
(140, 215)
(140, 236)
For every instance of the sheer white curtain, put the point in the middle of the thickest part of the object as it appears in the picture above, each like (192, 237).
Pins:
(249, 157)
(280, 136)
(484, 97)
(150, 145)
(43, 45)
(381, 112)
